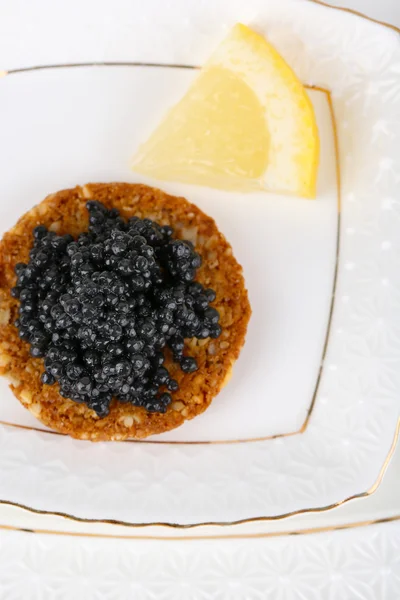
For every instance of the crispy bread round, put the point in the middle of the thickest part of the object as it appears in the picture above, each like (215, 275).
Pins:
(65, 212)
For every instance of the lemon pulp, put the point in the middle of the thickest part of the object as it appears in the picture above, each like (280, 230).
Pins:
(198, 142)
(245, 123)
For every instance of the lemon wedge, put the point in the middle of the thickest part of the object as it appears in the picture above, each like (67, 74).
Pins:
(246, 123)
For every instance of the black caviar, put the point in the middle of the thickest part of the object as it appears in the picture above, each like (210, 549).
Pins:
(102, 308)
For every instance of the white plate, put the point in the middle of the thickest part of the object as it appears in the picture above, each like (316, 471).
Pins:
(287, 246)
(66, 126)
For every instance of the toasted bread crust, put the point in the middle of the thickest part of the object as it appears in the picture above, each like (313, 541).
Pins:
(65, 212)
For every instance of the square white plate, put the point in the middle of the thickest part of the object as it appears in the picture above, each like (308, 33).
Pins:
(62, 126)
(287, 246)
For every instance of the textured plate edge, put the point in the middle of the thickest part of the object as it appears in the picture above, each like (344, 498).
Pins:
(259, 519)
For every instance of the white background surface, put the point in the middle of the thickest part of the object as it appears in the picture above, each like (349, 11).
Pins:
(31, 557)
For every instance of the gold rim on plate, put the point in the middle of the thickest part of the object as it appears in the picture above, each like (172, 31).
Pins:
(356, 13)
(234, 536)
